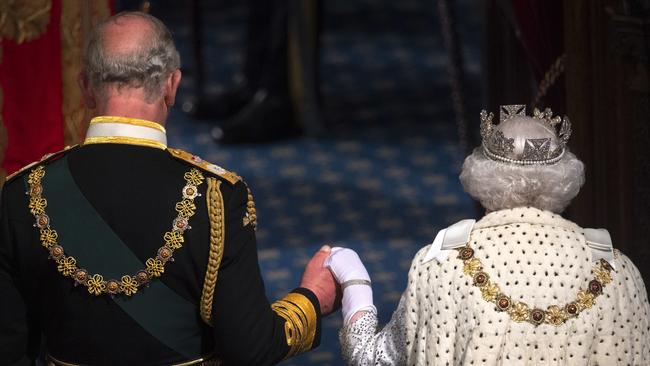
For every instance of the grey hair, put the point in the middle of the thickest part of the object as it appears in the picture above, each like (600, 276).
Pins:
(499, 185)
(147, 67)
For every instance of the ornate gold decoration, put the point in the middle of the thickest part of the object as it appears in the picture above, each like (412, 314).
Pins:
(67, 265)
(194, 177)
(35, 177)
(472, 266)
(37, 205)
(585, 300)
(185, 208)
(129, 285)
(556, 315)
(23, 21)
(519, 311)
(48, 237)
(95, 283)
(155, 267)
(173, 239)
(217, 236)
(490, 292)
(603, 275)
(300, 322)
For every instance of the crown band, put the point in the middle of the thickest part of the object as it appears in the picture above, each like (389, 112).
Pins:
(492, 156)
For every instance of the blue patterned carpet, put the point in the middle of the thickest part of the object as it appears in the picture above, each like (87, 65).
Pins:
(382, 181)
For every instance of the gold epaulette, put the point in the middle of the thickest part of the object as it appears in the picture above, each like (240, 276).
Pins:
(230, 177)
(251, 212)
(45, 158)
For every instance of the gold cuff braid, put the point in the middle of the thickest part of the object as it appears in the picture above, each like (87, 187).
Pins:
(216, 214)
(300, 322)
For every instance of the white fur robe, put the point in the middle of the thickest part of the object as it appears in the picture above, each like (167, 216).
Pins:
(535, 257)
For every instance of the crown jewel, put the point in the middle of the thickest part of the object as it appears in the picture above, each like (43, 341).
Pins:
(497, 146)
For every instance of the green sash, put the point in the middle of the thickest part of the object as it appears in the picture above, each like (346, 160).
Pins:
(83, 233)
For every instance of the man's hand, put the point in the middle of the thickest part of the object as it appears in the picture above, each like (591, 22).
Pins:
(320, 281)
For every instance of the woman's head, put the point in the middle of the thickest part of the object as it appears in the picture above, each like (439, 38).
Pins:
(502, 183)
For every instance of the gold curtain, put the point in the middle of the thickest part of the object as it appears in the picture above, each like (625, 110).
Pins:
(77, 19)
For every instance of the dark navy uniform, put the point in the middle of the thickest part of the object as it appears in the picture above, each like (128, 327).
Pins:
(124, 252)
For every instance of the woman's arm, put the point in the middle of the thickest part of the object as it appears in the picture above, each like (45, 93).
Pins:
(360, 342)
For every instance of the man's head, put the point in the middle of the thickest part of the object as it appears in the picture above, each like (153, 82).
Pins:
(131, 56)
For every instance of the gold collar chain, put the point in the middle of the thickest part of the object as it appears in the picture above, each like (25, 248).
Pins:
(519, 311)
(128, 284)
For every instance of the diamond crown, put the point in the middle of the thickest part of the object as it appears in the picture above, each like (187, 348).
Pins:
(497, 146)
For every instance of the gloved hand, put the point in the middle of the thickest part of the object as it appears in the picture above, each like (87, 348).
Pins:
(353, 277)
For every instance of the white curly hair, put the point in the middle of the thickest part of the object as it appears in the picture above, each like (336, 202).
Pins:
(500, 185)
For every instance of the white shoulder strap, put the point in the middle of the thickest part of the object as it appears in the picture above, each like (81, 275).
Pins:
(600, 243)
(450, 238)
(457, 234)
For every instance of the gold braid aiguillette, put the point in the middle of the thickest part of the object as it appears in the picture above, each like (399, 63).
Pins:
(217, 235)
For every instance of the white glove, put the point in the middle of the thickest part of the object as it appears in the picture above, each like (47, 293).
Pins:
(354, 280)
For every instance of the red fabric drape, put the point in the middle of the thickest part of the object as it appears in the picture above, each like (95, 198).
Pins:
(542, 31)
(30, 76)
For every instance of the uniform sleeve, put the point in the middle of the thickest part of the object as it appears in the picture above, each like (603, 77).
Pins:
(15, 335)
(248, 329)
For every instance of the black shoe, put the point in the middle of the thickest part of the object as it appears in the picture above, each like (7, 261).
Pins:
(221, 105)
(266, 118)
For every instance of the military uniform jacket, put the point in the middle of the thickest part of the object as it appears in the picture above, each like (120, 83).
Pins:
(113, 208)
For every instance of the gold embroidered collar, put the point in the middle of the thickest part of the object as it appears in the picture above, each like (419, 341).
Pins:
(123, 130)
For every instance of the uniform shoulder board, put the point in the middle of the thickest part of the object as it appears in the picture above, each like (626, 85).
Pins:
(44, 159)
(231, 177)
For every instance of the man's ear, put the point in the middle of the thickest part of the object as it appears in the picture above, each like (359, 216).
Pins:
(86, 91)
(171, 86)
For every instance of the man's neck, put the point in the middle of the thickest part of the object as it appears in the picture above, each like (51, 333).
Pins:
(133, 108)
